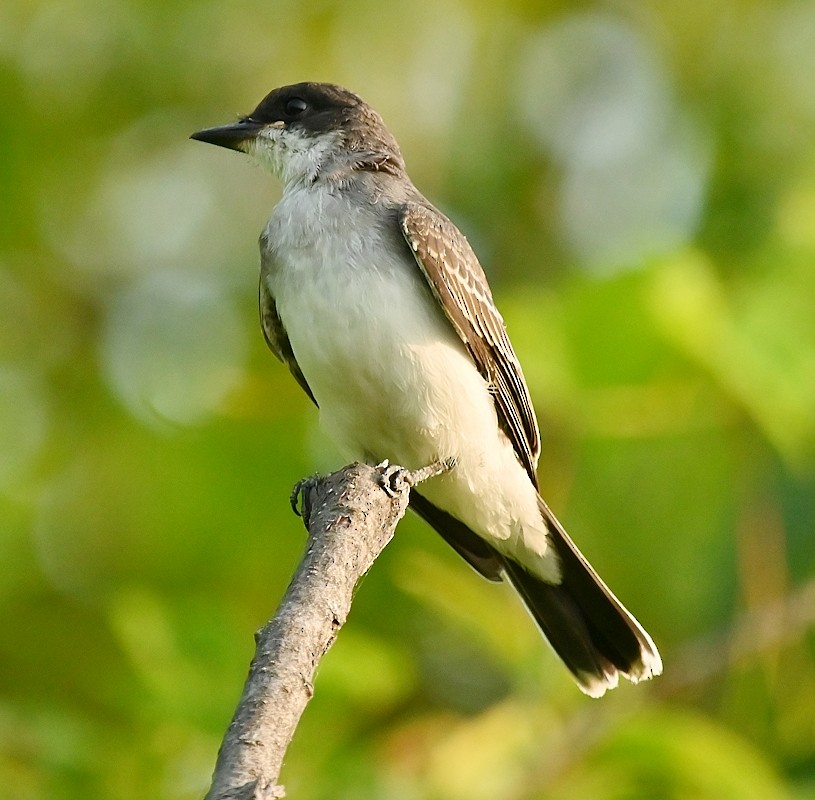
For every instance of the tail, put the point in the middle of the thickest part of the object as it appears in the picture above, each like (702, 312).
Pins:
(587, 626)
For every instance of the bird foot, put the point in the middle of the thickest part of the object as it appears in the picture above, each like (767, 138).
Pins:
(299, 495)
(396, 479)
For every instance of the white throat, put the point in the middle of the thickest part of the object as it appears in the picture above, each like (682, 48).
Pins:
(291, 156)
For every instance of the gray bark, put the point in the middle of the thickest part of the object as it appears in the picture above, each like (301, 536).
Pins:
(350, 519)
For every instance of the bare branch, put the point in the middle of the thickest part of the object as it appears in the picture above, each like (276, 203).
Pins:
(350, 519)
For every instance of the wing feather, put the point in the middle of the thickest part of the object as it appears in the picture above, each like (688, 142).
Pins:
(456, 278)
(276, 337)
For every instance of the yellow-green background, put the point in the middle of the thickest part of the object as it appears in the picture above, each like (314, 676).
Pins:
(639, 180)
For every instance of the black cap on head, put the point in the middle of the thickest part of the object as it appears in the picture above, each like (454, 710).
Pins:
(321, 107)
(311, 106)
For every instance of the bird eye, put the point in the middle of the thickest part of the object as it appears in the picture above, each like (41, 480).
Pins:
(295, 107)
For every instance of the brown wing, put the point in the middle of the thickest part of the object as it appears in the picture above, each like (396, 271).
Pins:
(448, 262)
(277, 338)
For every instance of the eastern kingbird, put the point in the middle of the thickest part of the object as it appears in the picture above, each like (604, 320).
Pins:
(377, 304)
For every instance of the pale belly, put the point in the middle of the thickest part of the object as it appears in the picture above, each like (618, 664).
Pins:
(389, 374)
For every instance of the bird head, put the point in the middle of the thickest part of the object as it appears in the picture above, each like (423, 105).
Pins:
(308, 130)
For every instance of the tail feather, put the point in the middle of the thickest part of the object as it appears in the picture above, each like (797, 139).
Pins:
(588, 627)
(567, 629)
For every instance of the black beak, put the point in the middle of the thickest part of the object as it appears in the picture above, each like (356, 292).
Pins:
(231, 136)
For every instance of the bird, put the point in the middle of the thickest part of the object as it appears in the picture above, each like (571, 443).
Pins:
(379, 307)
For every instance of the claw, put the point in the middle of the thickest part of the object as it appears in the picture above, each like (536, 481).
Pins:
(394, 479)
(299, 494)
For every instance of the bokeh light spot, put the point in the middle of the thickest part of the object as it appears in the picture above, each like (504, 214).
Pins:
(173, 347)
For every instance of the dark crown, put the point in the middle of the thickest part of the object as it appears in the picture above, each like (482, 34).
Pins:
(317, 108)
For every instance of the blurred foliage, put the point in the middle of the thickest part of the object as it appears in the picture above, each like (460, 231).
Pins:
(639, 179)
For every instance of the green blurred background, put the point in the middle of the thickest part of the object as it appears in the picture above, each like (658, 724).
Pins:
(639, 181)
